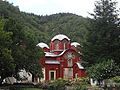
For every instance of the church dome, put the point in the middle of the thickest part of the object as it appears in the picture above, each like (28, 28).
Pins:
(60, 37)
(42, 45)
(75, 44)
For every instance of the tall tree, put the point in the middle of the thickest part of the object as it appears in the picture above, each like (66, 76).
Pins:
(104, 36)
(103, 70)
(7, 65)
(24, 51)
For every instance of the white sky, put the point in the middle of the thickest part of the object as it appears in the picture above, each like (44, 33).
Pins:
(47, 7)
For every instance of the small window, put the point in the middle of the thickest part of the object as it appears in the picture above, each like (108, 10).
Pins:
(52, 75)
(65, 46)
(56, 44)
(65, 42)
(69, 62)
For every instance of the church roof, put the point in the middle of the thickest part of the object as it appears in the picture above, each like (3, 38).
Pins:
(52, 62)
(42, 45)
(80, 66)
(50, 54)
(60, 37)
(75, 44)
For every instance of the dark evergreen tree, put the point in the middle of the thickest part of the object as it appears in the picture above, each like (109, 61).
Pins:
(24, 51)
(104, 36)
(7, 65)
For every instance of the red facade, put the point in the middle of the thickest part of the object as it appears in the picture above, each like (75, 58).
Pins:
(62, 59)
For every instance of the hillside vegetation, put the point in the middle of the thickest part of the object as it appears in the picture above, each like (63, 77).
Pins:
(45, 27)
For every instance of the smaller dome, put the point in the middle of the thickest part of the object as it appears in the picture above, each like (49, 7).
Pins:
(75, 44)
(42, 45)
(60, 37)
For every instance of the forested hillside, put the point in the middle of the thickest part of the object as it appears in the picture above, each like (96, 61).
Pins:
(45, 27)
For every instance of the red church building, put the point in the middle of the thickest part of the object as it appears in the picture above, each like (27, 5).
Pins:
(62, 59)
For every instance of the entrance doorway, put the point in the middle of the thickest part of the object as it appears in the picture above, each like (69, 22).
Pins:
(52, 75)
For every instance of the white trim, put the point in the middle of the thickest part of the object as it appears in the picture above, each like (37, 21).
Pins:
(42, 45)
(52, 62)
(50, 74)
(43, 71)
(60, 37)
(50, 54)
(80, 66)
(76, 75)
(75, 44)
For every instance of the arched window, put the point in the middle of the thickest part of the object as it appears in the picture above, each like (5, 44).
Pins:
(70, 57)
(65, 43)
(70, 63)
(56, 44)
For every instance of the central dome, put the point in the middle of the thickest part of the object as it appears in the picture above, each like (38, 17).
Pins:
(60, 37)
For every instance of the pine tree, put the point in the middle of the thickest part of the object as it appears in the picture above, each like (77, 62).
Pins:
(104, 36)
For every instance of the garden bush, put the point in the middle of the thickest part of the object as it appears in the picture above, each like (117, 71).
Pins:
(58, 84)
(81, 83)
(116, 79)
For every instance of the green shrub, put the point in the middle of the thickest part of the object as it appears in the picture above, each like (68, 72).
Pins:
(58, 84)
(116, 79)
(81, 83)
(62, 84)
(80, 87)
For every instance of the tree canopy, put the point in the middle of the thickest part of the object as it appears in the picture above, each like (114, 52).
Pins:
(104, 35)
(103, 42)
(7, 66)
(104, 70)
